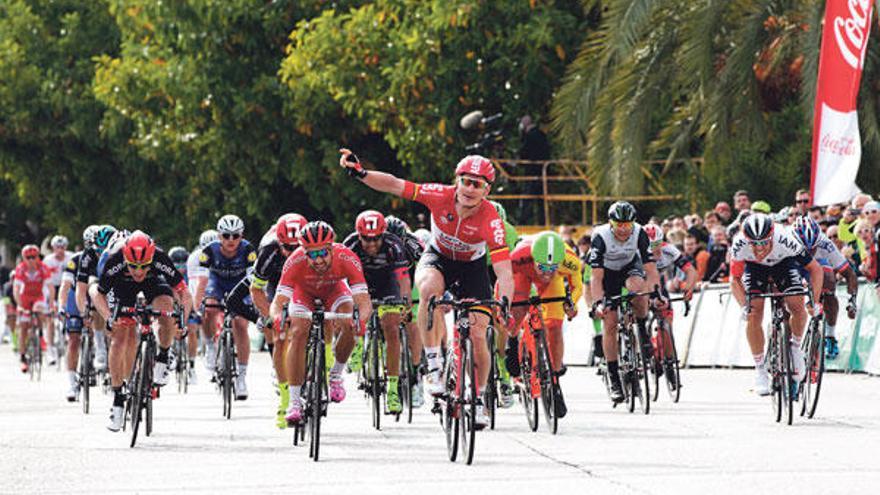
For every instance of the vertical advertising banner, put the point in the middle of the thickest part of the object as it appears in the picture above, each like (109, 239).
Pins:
(837, 148)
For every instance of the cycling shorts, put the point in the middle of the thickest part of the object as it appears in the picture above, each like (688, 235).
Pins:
(218, 288)
(125, 292)
(785, 274)
(331, 298)
(465, 279)
(614, 281)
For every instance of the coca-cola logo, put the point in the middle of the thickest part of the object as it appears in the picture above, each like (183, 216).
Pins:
(838, 145)
(850, 32)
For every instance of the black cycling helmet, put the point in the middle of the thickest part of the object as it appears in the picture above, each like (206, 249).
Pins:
(757, 226)
(178, 254)
(396, 226)
(622, 211)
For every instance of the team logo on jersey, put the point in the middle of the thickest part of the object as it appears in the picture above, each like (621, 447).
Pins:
(70, 265)
(203, 257)
(252, 257)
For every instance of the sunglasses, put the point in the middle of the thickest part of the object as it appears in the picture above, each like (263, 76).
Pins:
(231, 236)
(801, 201)
(832, 237)
(289, 247)
(547, 268)
(30, 257)
(624, 225)
(760, 243)
(475, 183)
(371, 238)
(318, 253)
(139, 266)
(868, 212)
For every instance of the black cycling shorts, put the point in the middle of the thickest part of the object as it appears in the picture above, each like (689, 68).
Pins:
(384, 287)
(465, 279)
(614, 281)
(785, 275)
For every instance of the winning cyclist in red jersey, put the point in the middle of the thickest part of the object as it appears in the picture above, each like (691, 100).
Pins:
(29, 291)
(329, 271)
(465, 226)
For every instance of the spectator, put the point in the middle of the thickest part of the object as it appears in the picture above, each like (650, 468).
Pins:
(723, 210)
(711, 220)
(868, 257)
(535, 147)
(832, 234)
(802, 201)
(695, 228)
(741, 201)
(583, 247)
(717, 269)
(833, 213)
(666, 226)
(676, 238)
(694, 250)
(815, 212)
(850, 216)
(761, 207)
(871, 213)
(567, 233)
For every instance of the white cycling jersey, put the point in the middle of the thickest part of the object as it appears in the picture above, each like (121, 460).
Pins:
(194, 269)
(57, 266)
(785, 245)
(826, 253)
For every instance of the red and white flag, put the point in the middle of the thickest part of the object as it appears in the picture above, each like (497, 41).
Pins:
(837, 146)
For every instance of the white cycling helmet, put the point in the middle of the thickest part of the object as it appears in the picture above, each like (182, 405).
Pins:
(89, 235)
(208, 237)
(230, 224)
(58, 241)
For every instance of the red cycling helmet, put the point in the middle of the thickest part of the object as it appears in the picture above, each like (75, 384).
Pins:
(476, 165)
(139, 249)
(370, 223)
(655, 233)
(30, 250)
(314, 234)
(288, 227)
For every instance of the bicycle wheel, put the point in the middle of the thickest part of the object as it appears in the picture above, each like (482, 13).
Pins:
(545, 376)
(316, 400)
(406, 379)
(815, 369)
(626, 360)
(85, 368)
(788, 380)
(451, 418)
(657, 329)
(226, 374)
(373, 379)
(674, 388)
(642, 376)
(137, 390)
(773, 368)
(147, 385)
(492, 382)
(39, 360)
(530, 404)
(467, 399)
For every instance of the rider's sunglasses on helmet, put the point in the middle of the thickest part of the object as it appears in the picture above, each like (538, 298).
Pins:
(228, 236)
(139, 266)
(760, 243)
(471, 182)
(618, 225)
(318, 253)
(371, 238)
(549, 268)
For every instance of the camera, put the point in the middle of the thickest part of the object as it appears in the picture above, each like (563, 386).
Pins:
(491, 140)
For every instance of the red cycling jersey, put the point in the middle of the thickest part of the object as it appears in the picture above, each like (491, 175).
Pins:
(298, 277)
(32, 280)
(460, 239)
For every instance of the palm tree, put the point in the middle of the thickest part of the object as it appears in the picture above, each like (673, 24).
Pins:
(674, 79)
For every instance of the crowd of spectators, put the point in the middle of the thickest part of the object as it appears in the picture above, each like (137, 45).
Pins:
(705, 239)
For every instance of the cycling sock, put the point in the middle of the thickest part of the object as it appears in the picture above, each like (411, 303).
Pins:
(432, 354)
(242, 369)
(597, 326)
(337, 368)
(294, 390)
(72, 376)
(829, 330)
(118, 397)
(162, 356)
(759, 360)
(100, 342)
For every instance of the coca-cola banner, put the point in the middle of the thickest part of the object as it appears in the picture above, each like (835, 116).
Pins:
(837, 147)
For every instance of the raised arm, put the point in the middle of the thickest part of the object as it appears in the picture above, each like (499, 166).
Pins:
(380, 181)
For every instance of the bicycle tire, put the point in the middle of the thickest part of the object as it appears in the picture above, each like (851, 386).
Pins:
(149, 360)
(226, 374)
(492, 382)
(673, 389)
(468, 402)
(373, 379)
(775, 376)
(451, 419)
(642, 375)
(406, 380)
(818, 366)
(85, 369)
(626, 359)
(530, 404)
(545, 377)
(656, 327)
(317, 400)
(788, 377)
(136, 399)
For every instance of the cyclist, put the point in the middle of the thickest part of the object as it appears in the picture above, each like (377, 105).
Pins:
(414, 248)
(29, 292)
(73, 324)
(833, 262)
(325, 270)
(465, 227)
(195, 273)
(133, 266)
(56, 262)
(620, 256)
(546, 262)
(669, 259)
(511, 237)
(86, 275)
(180, 256)
(251, 297)
(386, 269)
(761, 251)
(228, 260)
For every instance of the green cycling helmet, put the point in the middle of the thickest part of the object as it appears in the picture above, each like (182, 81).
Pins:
(500, 209)
(548, 249)
(761, 207)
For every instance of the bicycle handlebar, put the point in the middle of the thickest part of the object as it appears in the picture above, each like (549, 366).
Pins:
(465, 304)
(328, 315)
